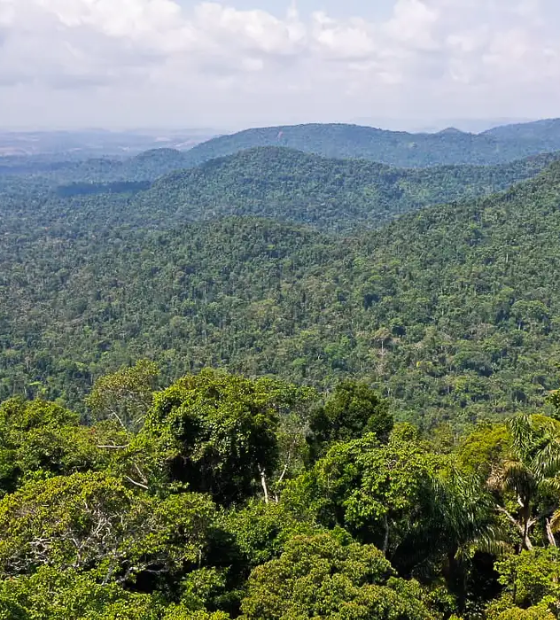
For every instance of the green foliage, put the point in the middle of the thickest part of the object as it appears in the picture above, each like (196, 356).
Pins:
(94, 519)
(531, 585)
(374, 490)
(261, 530)
(484, 448)
(40, 440)
(216, 432)
(318, 577)
(53, 594)
(126, 533)
(528, 479)
(124, 396)
(351, 411)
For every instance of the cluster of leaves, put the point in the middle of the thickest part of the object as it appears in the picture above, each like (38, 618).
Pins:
(257, 499)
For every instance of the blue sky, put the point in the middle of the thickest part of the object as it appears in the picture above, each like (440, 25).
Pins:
(181, 63)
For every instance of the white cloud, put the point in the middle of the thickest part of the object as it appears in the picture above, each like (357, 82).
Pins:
(441, 56)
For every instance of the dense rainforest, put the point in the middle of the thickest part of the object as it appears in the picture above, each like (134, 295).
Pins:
(329, 194)
(451, 312)
(221, 497)
(282, 386)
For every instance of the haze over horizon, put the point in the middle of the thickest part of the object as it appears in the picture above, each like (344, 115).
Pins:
(227, 66)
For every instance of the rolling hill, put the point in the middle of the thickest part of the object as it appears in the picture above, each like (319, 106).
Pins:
(389, 147)
(330, 194)
(451, 312)
(546, 131)
(272, 182)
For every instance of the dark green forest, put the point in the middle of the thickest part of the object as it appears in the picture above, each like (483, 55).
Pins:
(451, 312)
(222, 497)
(396, 148)
(329, 194)
(281, 386)
(282, 184)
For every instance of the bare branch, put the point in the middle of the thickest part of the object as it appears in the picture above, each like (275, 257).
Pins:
(526, 540)
(264, 486)
(138, 484)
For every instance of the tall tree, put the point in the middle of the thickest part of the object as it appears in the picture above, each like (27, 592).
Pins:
(216, 432)
(527, 482)
(352, 410)
(126, 395)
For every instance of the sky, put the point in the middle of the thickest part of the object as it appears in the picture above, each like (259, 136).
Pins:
(242, 63)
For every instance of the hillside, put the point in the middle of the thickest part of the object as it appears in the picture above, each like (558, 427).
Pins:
(389, 147)
(451, 312)
(545, 131)
(273, 182)
(330, 194)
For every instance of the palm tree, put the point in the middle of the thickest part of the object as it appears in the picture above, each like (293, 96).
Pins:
(455, 521)
(530, 478)
(467, 525)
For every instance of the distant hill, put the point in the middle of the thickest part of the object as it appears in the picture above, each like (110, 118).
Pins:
(452, 312)
(544, 132)
(331, 194)
(146, 166)
(402, 149)
(336, 141)
(273, 182)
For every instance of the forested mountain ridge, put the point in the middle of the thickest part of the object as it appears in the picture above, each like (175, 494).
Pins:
(325, 412)
(389, 147)
(451, 312)
(146, 166)
(273, 182)
(330, 194)
(547, 131)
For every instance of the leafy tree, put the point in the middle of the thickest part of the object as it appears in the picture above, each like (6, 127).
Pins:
(125, 396)
(93, 520)
(40, 440)
(321, 577)
(216, 432)
(376, 491)
(528, 479)
(485, 448)
(54, 594)
(531, 585)
(353, 410)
